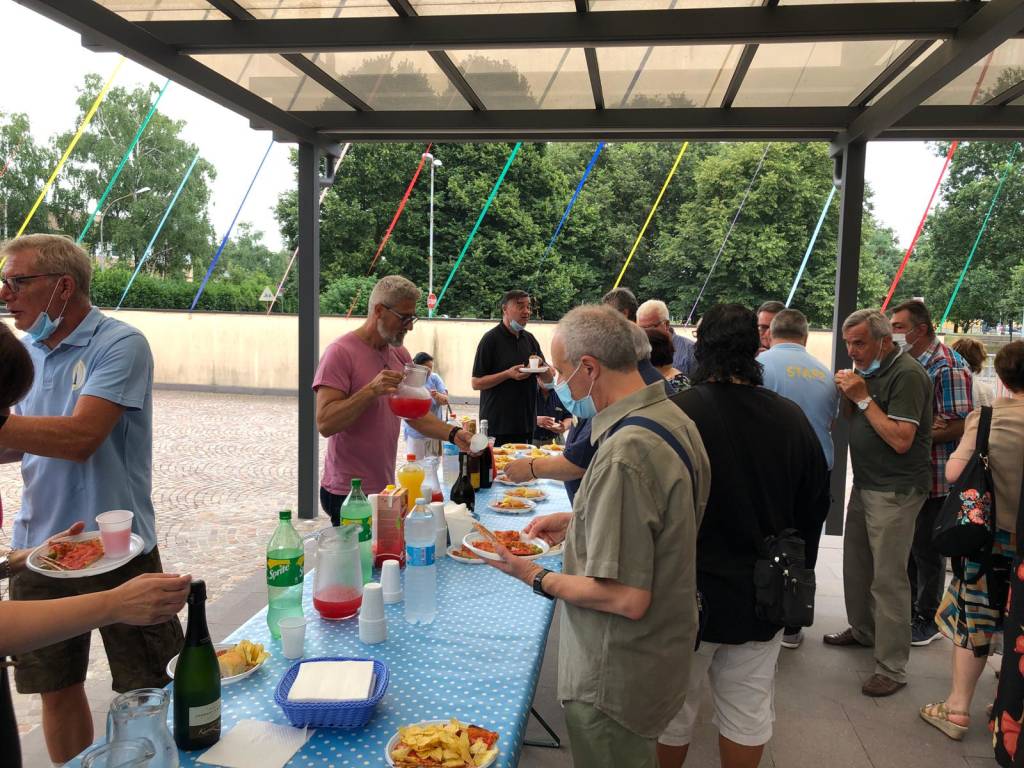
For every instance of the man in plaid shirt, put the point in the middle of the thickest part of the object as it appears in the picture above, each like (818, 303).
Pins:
(951, 378)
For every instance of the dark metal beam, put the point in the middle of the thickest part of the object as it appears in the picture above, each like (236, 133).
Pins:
(593, 68)
(309, 327)
(737, 123)
(896, 67)
(1003, 98)
(851, 215)
(408, 15)
(996, 22)
(745, 60)
(688, 26)
(95, 22)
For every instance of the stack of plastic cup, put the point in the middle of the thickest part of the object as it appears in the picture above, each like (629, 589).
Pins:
(441, 543)
(373, 625)
(391, 582)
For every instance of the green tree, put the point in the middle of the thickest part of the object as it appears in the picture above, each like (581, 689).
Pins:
(26, 166)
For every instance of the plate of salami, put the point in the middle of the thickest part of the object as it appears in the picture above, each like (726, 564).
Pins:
(74, 557)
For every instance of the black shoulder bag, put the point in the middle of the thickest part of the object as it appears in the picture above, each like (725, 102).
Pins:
(966, 524)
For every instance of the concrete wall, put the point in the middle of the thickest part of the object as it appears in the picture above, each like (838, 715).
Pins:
(250, 352)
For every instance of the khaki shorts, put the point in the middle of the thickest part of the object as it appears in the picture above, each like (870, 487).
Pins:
(742, 681)
(138, 656)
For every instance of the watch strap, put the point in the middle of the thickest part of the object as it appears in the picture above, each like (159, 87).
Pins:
(452, 434)
(5, 567)
(538, 583)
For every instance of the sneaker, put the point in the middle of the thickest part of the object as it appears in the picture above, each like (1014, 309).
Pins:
(923, 632)
(793, 640)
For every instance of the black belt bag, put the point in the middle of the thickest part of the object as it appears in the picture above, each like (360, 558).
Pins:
(783, 587)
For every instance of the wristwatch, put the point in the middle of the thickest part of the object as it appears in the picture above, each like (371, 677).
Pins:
(453, 434)
(538, 583)
(5, 567)
(863, 404)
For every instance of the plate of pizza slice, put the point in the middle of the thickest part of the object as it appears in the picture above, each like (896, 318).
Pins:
(75, 557)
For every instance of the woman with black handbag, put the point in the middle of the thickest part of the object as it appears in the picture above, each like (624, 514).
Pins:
(972, 608)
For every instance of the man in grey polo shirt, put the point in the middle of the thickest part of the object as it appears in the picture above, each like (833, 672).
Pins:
(888, 401)
(83, 435)
(628, 586)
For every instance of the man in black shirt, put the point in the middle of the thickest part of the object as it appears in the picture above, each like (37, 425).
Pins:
(508, 395)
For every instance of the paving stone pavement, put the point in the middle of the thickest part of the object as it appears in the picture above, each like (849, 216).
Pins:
(223, 465)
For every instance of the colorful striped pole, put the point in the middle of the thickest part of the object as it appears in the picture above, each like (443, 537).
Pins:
(401, 207)
(575, 194)
(124, 160)
(74, 142)
(479, 220)
(728, 233)
(159, 227)
(231, 226)
(657, 202)
(810, 245)
(984, 225)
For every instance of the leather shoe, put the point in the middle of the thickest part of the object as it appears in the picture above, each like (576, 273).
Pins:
(844, 638)
(880, 685)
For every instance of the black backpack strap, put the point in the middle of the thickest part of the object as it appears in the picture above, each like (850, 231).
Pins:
(984, 428)
(661, 431)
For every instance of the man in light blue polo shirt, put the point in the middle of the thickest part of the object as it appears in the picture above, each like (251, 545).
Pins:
(791, 371)
(84, 436)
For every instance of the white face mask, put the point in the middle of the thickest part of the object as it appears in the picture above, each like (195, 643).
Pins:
(900, 340)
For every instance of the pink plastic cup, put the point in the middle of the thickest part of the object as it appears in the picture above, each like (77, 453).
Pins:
(116, 531)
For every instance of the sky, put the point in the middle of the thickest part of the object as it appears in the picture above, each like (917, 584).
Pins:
(901, 174)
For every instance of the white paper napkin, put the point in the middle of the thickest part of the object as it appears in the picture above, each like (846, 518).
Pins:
(332, 681)
(255, 744)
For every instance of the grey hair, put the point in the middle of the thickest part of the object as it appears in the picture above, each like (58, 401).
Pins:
(641, 342)
(57, 254)
(391, 290)
(789, 324)
(602, 333)
(878, 324)
(656, 307)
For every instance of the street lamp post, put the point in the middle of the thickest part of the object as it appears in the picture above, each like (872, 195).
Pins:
(434, 163)
(102, 214)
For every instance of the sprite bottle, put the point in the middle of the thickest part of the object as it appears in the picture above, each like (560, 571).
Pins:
(285, 560)
(356, 511)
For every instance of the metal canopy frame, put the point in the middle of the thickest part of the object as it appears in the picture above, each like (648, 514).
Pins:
(957, 34)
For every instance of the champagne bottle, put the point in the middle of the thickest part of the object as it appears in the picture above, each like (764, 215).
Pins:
(462, 491)
(197, 680)
(486, 459)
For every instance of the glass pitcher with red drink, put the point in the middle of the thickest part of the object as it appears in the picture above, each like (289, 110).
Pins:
(412, 398)
(338, 588)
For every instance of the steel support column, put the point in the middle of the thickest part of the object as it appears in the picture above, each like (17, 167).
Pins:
(309, 327)
(851, 215)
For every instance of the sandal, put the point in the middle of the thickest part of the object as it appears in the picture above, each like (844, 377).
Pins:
(938, 715)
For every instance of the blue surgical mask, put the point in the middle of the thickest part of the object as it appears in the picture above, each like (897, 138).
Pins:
(583, 408)
(875, 365)
(44, 326)
(517, 327)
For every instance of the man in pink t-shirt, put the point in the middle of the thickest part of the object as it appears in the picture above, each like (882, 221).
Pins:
(356, 374)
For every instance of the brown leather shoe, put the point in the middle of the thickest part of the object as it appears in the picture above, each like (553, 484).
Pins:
(880, 685)
(843, 638)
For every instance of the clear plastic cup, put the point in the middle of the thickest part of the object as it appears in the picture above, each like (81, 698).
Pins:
(116, 531)
(293, 636)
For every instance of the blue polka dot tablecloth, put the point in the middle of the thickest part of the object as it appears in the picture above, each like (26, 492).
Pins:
(478, 661)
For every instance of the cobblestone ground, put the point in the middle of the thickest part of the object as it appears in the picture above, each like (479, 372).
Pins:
(222, 466)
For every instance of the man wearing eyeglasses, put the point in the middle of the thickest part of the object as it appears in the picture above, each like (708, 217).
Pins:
(84, 437)
(508, 393)
(356, 374)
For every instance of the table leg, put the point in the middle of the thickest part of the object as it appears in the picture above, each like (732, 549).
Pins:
(555, 742)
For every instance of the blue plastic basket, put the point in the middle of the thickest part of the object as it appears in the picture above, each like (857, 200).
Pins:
(335, 714)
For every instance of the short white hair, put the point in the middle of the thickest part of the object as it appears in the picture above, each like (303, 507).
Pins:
(391, 290)
(601, 332)
(57, 255)
(878, 324)
(655, 307)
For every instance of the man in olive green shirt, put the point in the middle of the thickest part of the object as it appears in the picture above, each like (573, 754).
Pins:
(888, 399)
(629, 583)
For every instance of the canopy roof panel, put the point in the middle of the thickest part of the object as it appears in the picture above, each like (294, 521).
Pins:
(321, 71)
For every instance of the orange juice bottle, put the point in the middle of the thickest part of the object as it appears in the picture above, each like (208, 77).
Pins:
(411, 476)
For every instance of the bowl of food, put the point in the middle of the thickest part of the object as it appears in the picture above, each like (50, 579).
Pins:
(482, 542)
(447, 743)
(237, 660)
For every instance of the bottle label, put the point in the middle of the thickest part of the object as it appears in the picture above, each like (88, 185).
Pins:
(286, 572)
(419, 555)
(204, 721)
(365, 530)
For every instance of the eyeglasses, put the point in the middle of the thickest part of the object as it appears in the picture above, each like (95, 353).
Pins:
(405, 319)
(16, 282)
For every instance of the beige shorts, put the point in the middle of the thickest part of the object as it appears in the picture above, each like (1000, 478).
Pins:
(742, 681)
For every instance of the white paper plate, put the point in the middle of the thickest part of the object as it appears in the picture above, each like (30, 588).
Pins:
(517, 447)
(104, 565)
(530, 506)
(472, 539)
(173, 663)
(394, 740)
(542, 369)
(543, 495)
(463, 560)
(502, 480)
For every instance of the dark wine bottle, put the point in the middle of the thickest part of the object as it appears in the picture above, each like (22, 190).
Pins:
(197, 680)
(462, 491)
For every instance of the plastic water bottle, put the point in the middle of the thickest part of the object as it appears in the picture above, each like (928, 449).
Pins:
(285, 562)
(420, 570)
